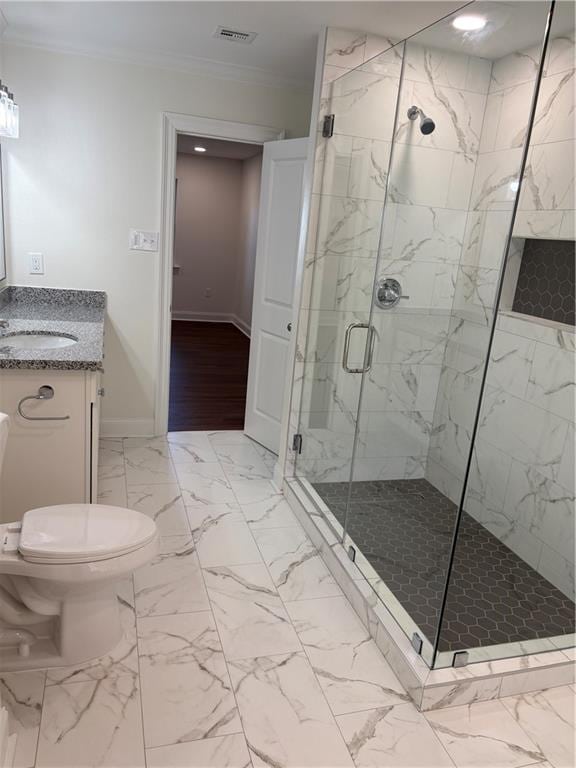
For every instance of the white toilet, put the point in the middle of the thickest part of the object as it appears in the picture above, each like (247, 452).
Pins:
(59, 572)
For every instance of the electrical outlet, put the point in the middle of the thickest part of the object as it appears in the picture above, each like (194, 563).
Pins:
(35, 264)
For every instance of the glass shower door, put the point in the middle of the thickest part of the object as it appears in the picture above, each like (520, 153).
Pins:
(347, 211)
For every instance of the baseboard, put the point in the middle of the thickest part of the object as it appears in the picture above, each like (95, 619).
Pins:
(212, 317)
(242, 325)
(126, 427)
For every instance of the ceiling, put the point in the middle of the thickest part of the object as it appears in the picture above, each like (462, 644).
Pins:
(232, 150)
(179, 35)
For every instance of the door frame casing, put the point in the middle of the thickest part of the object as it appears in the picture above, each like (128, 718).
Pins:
(174, 123)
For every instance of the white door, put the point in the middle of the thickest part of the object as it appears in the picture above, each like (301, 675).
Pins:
(276, 253)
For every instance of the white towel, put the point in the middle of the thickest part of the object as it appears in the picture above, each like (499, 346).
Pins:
(4, 429)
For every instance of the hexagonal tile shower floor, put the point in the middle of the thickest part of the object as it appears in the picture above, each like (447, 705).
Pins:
(404, 528)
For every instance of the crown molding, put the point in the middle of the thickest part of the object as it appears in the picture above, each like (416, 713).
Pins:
(193, 65)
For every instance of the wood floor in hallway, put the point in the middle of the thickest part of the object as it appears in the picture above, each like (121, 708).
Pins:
(208, 376)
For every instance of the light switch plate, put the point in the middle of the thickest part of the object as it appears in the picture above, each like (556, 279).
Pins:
(142, 240)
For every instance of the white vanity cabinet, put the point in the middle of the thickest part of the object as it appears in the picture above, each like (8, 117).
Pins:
(49, 459)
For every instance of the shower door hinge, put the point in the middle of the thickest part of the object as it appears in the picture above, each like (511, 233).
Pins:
(417, 643)
(328, 126)
(297, 443)
(460, 659)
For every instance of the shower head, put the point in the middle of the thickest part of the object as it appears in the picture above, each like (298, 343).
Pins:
(427, 125)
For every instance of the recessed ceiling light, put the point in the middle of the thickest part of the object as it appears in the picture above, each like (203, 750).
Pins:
(199, 149)
(469, 23)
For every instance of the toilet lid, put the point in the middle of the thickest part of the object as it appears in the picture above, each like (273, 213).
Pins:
(76, 533)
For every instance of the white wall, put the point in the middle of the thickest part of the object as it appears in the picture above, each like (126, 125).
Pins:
(207, 236)
(250, 206)
(87, 168)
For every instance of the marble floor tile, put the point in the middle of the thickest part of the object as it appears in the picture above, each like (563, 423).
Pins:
(163, 503)
(395, 737)
(222, 536)
(186, 692)
(204, 484)
(248, 490)
(191, 447)
(112, 486)
(297, 569)
(172, 582)
(242, 460)
(483, 734)
(21, 693)
(348, 664)
(285, 715)
(221, 752)
(228, 437)
(250, 616)
(96, 723)
(111, 452)
(121, 660)
(548, 717)
(273, 512)
(148, 461)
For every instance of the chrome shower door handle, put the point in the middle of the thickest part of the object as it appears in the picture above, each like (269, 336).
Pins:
(368, 352)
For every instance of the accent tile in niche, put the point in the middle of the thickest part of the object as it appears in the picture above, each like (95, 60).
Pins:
(220, 752)
(92, 724)
(250, 616)
(121, 660)
(285, 716)
(22, 694)
(204, 484)
(349, 666)
(162, 503)
(172, 582)
(296, 568)
(398, 737)
(186, 692)
(483, 734)
(274, 512)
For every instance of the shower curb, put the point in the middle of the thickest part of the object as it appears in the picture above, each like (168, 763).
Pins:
(429, 689)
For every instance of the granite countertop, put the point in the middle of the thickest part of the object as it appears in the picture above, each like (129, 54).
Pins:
(53, 311)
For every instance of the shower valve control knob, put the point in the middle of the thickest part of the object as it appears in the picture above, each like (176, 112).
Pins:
(389, 293)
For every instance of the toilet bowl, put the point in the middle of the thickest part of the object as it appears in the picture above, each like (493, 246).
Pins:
(60, 568)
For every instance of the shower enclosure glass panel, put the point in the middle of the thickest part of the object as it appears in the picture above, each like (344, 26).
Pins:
(349, 195)
(417, 192)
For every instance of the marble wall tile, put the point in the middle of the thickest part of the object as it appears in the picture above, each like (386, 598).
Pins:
(410, 338)
(420, 176)
(460, 693)
(348, 226)
(537, 680)
(186, 691)
(397, 434)
(347, 662)
(560, 53)
(92, 724)
(495, 180)
(549, 177)
(285, 715)
(475, 293)
(483, 734)
(344, 283)
(172, 582)
(360, 100)
(568, 226)
(22, 694)
(548, 716)
(485, 238)
(392, 736)
(427, 234)
(332, 165)
(552, 381)
(555, 111)
(511, 363)
(220, 752)
(344, 48)
(249, 614)
(558, 570)
(428, 285)
(443, 68)
(295, 565)
(517, 67)
(369, 166)
(391, 387)
(514, 116)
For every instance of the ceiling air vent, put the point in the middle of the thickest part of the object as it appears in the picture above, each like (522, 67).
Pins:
(236, 35)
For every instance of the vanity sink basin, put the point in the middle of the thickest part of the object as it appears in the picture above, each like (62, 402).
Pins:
(38, 340)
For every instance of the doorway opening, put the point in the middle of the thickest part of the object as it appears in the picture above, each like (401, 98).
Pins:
(217, 195)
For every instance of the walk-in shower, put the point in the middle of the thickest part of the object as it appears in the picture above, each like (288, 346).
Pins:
(434, 385)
